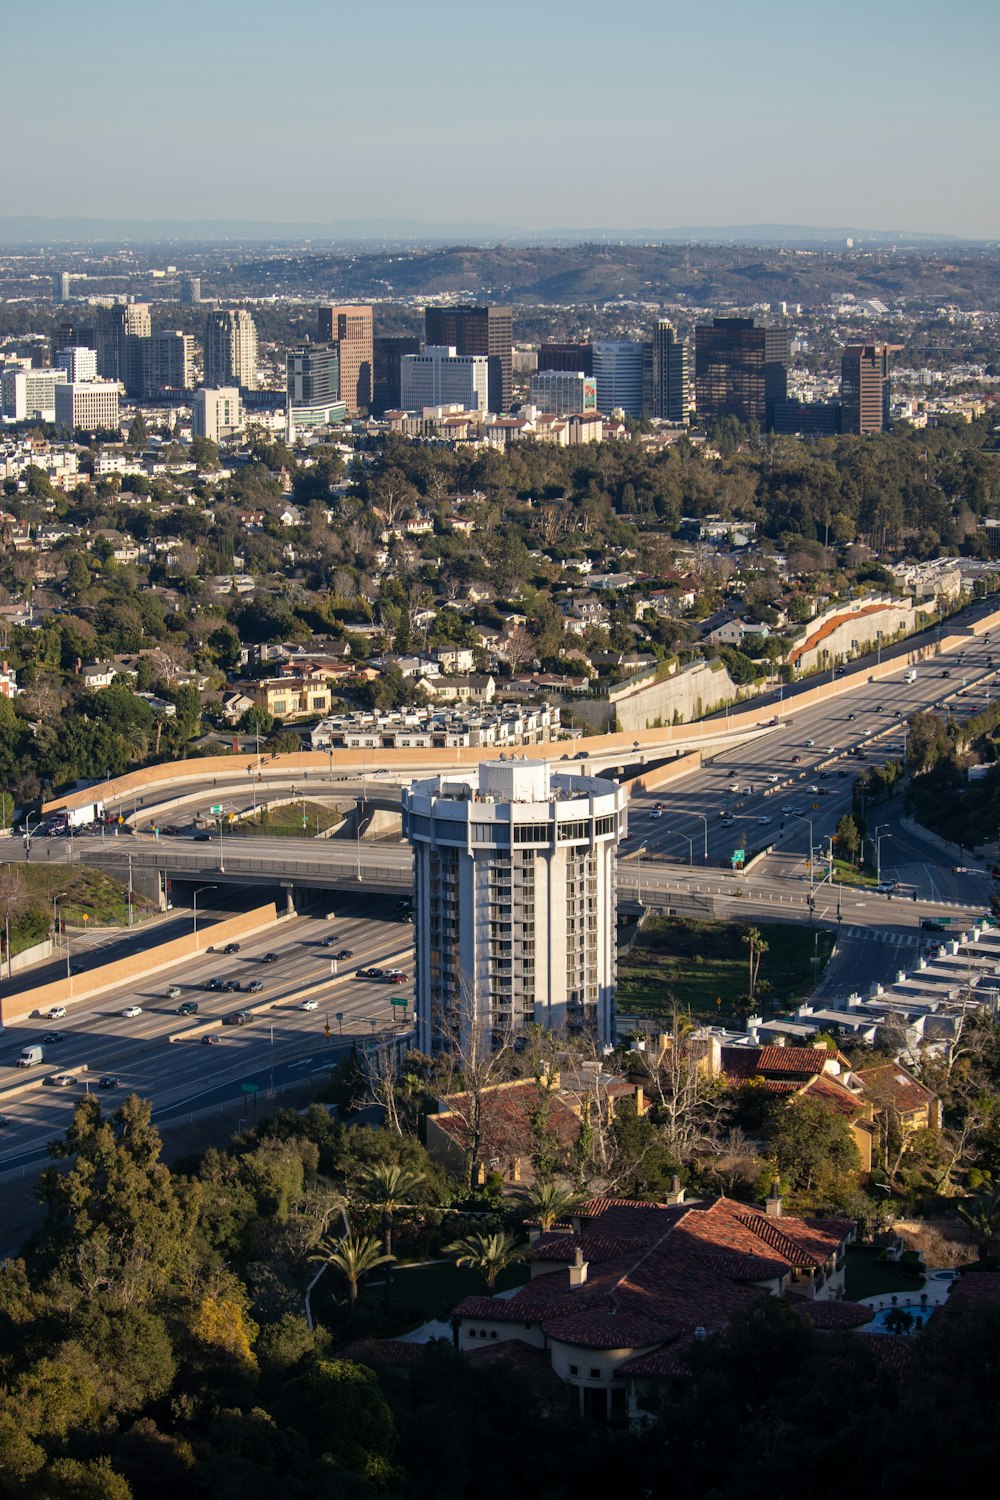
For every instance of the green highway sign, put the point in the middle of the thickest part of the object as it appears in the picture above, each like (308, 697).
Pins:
(250, 1088)
(404, 1003)
(739, 854)
(216, 808)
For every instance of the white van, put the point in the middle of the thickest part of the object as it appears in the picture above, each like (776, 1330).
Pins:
(31, 1055)
(910, 675)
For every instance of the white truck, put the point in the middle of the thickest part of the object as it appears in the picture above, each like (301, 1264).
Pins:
(31, 1055)
(910, 675)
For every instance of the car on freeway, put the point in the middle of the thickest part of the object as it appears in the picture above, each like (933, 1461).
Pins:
(309, 1005)
(204, 838)
(852, 716)
(214, 984)
(788, 809)
(656, 813)
(171, 830)
(52, 1037)
(796, 760)
(254, 987)
(268, 958)
(945, 674)
(231, 948)
(231, 986)
(174, 992)
(131, 1011)
(345, 953)
(660, 806)
(885, 887)
(237, 1018)
(5, 1122)
(813, 788)
(188, 1008)
(60, 1080)
(809, 744)
(210, 1039)
(843, 773)
(772, 778)
(368, 974)
(110, 1081)
(763, 819)
(729, 823)
(396, 976)
(878, 708)
(55, 1012)
(331, 941)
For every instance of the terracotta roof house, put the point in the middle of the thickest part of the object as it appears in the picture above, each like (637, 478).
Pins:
(499, 1130)
(618, 1301)
(893, 1090)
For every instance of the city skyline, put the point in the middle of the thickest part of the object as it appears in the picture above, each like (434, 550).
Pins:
(784, 133)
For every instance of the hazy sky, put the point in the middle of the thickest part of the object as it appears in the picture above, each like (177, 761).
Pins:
(872, 113)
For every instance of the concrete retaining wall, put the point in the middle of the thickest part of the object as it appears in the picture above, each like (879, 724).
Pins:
(136, 966)
(687, 695)
(28, 956)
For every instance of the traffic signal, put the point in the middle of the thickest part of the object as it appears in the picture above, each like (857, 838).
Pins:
(326, 1030)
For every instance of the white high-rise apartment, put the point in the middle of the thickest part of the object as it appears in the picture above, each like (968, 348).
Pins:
(216, 414)
(514, 899)
(231, 349)
(440, 377)
(90, 404)
(619, 369)
(167, 362)
(30, 395)
(79, 363)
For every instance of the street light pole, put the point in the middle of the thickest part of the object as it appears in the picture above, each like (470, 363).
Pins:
(705, 821)
(812, 877)
(195, 906)
(878, 851)
(690, 844)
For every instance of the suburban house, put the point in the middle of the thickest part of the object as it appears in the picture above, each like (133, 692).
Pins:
(288, 697)
(618, 1298)
(498, 1131)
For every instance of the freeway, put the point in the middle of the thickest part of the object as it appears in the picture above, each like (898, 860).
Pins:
(771, 790)
(96, 1039)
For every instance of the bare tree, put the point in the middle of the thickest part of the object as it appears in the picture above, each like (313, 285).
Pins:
(380, 1069)
(477, 1055)
(687, 1101)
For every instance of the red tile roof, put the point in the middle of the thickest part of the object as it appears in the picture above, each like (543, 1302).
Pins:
(745, 1063)
(681, 1267)
(831, 1316)
(890, 1082)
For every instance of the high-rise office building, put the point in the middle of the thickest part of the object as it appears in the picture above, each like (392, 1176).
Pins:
(385, 371)
(563, 391)
(478, 330)
(60, 286)
(671, 385)
(566, 357)
(351, 328)
(231, 349)
(119, 356)
(30, 395)
(88, 404)
(620, 372)
(190, 290)
(79, 363)
(166, 362)
(216, 413)
(514, 899)
(741, 370)
(441, 377)
(864, 388)
(312, 384)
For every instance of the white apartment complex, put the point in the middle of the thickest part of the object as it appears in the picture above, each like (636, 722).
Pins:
(440, 377)
(89, 404)
(514, 899)
(79, 363)
(216, 414)
(30, 395)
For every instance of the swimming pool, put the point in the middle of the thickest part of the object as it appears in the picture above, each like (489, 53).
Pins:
(918, 1313)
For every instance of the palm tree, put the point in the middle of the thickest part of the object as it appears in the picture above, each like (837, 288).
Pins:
(548, 1202)
(488, 1253)
(388, 1184)
(353, 1257)
(982, 1214)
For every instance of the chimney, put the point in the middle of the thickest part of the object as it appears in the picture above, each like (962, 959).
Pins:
(773, 1205)
(779, 1041)
(640, 1099)
(578, 1268)
(676, 1194)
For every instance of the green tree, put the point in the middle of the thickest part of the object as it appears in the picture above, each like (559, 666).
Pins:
(848, 837)
(757, 947)
(388, 1185)
(354, 1256)
(548, 1203)
(981, 1214)
(489, 1254)
(813, 1147)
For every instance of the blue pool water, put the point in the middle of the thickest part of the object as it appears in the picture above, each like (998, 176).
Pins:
(919, 1313)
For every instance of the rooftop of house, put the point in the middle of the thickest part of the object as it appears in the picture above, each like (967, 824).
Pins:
(890, 1083)
(645, 1275)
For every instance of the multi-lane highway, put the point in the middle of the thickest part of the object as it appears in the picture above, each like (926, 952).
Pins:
(182, 1075)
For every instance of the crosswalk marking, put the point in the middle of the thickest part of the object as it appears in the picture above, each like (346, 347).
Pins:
(877, 935)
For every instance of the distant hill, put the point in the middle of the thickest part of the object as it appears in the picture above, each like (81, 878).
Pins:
(36, 230)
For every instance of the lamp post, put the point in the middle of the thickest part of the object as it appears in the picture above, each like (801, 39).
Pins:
(878, 850)
(195, 908)
(638, 875)
(705, 821)
(803, 819)
(690, 844)
(69, 972)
